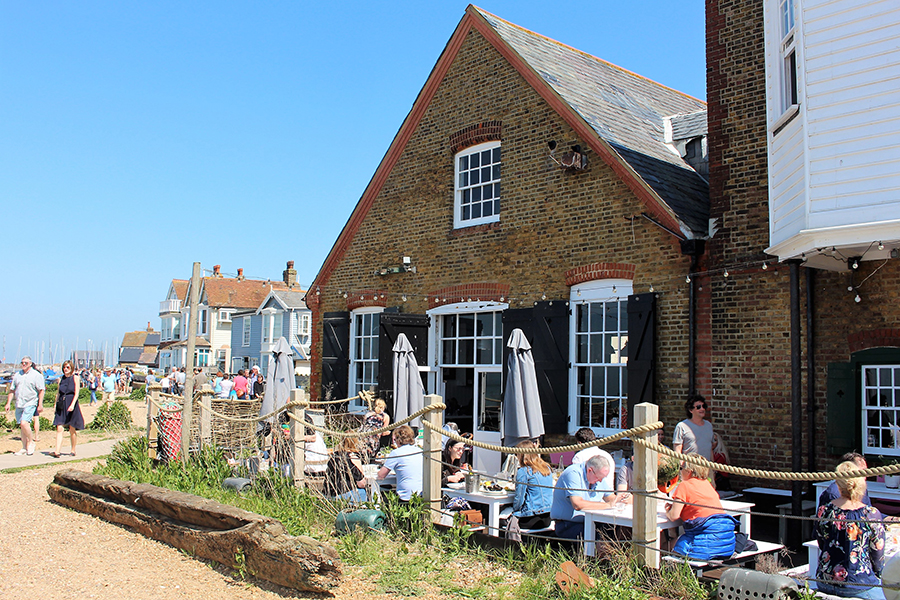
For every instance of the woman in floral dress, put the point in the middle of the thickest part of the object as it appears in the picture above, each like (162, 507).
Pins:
(851, 542)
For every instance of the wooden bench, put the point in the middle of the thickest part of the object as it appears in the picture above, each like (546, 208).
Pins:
(698, 566)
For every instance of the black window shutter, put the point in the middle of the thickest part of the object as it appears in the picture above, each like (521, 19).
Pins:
(391, 325)
(641, 351)
(546, 327)
(335, 353)
(843, 421)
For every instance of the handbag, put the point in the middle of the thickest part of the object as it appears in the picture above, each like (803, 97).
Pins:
(470, 518)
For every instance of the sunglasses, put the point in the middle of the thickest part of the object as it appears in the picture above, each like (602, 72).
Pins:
(699, 406)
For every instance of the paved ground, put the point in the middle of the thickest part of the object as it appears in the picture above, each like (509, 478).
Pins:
(43, 457)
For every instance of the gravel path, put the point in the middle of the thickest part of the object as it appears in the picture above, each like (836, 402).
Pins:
(48, 551)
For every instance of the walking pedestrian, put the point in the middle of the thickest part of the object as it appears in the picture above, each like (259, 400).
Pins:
(28, 389)
(68, 412)
(108, 382)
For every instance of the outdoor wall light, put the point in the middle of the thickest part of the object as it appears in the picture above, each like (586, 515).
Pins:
(406, 266)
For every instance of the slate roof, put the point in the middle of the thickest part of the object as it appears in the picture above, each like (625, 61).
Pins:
(152, 339)
(689, 126)
(224, 292)
(291, 299)
(130, 355)
(134, 339)
(624, 109)
(148, 358)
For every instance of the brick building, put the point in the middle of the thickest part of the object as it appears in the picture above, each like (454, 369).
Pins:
(587, 248)
(801, 180)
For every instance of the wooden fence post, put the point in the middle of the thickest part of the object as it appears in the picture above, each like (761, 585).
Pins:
(298, 435)
(644, 534)
(206, 393)
(431, 459)
(152, 413)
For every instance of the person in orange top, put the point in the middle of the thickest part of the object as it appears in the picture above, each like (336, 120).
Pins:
(708, 529)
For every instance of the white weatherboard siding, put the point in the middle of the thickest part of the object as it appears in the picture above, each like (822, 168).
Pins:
(849, 126)
(787, 182)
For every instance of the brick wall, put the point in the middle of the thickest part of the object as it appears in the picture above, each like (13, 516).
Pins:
(744, 319)
(552, 221)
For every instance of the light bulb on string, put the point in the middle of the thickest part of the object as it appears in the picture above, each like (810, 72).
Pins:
(857, 299)
(651, 288)
(765, 266)
(726, 273)
(345, 294)
(403, 298)
(614, 289)
(543, 296)
(687, 279)
(849, 288)
(880, 246)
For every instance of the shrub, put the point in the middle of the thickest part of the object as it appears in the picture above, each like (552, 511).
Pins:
(112, 417)
(137, 394)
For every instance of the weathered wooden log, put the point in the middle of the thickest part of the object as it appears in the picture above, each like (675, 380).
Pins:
(204, 528)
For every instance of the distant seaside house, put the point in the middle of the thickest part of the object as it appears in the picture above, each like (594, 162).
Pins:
(254, 333)
(139, 348)
(170, 322)
(220, 298)
(531, 186)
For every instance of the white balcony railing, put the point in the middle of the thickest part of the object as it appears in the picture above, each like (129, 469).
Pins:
(169, 306)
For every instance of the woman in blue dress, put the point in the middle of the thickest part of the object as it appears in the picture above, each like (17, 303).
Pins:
(851, 542)
(68, 413)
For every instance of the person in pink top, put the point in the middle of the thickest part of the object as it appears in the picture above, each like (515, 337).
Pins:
(240, 384)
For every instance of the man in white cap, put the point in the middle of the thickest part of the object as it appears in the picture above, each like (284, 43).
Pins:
(108, 382)
(28, 388)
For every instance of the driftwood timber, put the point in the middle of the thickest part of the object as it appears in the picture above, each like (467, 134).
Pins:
(204, 528)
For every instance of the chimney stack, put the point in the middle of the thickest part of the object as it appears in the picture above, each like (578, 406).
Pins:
(290, 275)
(148, 326)
(240, 275)
(216, 270)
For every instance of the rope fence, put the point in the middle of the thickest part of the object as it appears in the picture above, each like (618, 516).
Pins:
(642, 437)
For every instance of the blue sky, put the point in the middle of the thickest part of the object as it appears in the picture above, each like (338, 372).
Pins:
(139, 137)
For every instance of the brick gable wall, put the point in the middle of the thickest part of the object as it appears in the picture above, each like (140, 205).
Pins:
(552, 221)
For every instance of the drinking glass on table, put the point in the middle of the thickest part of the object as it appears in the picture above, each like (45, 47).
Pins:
(620, 502)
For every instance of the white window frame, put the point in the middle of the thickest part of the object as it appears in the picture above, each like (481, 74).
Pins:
(789, 84)
(225, 316)
(464, 188)
(201, 357)
(221, 358)
(884, 387)
(277, 326)
(354, 385)
(245, 331)
(202, 324)
(599, 291)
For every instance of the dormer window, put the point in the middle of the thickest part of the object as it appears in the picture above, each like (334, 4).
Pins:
(477, 185)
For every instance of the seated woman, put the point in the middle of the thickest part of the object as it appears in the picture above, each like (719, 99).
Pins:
(453, 470)
(708, 529)
(344, 478)
(534, 490)
(851, 542)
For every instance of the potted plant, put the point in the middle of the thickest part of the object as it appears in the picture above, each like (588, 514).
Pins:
(891, 481)
(666, 473)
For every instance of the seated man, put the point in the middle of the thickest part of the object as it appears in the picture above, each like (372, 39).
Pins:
(580, 487)
(586, 434)
(406, 462)
(832, 491)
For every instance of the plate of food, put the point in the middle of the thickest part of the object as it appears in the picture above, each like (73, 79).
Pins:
(458, 485)
(493, 488)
